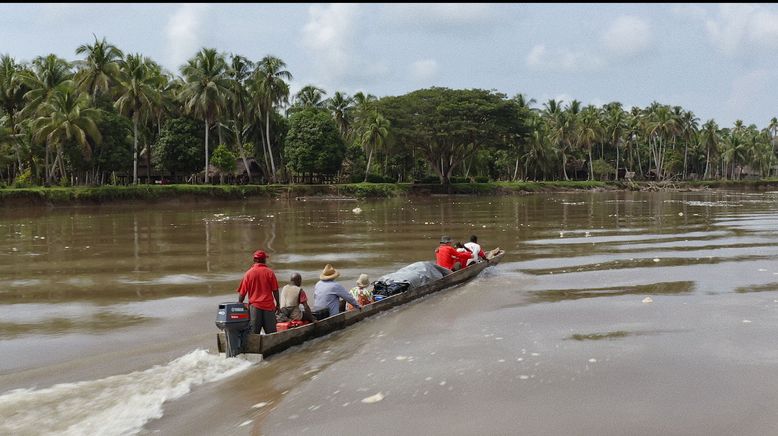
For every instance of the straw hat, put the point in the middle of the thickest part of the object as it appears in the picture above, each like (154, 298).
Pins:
(329, 273)
(363, 281)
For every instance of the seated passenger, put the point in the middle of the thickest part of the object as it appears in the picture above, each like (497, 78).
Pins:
(464, 255)
(445, 254)
(475, 249)
(327, 293)
(292, 296)
(363, 292)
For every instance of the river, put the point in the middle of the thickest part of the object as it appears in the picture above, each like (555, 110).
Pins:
(612, 313)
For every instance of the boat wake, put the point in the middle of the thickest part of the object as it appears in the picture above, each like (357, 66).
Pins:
(116, 405)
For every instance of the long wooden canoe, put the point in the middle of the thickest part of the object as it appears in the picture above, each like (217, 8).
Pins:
(280, 341)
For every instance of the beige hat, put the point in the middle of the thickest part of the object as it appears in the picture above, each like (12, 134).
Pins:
(363, 281)
(329, 273)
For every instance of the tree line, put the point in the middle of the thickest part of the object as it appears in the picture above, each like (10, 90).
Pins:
(116, 118)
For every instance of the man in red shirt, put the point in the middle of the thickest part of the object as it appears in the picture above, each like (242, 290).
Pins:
(261, 285)
(445, 254)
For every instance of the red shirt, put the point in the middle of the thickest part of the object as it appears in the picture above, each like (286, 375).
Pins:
(463, 257)
(259, 282)
(446, 255)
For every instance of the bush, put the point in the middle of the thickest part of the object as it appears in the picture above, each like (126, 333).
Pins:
(602, 170)
(459, 179)
(481, 179)
(23, 180)
(375, 178)
(430, 179)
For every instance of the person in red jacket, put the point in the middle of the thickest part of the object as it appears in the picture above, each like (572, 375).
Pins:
(463, 255)
(261, 286)
(445, 254)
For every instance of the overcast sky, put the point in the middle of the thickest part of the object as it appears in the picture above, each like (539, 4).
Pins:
(718, 61)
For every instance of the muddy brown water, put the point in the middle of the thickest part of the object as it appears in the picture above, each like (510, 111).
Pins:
(612, 313)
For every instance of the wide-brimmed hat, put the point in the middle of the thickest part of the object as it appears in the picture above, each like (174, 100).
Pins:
(363, 281)
(260, 255)
(329, 273)
(445, 239)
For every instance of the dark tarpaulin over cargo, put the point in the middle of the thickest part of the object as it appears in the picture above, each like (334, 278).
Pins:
(412, 276)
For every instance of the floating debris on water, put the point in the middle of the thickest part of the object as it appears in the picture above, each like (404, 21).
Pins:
(656, 259)
(592, 360)
(648, 300)
(762, 270)
(746, 321)
(245, 423)
(680, 213)
(524, 377)
(373, 398)
(260, 405)
(357, 210)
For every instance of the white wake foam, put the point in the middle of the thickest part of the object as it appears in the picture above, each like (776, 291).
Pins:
(116, 405)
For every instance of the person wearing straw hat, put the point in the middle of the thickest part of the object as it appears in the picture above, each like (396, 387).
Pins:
(261, 286)
(327, 294)
(362, 291)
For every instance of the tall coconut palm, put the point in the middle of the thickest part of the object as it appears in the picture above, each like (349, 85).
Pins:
(374, 137)
(12, 92)
(44, 76)
(688, 124)
(310, 97)
(207, 90)
(615, 127)
(710, 139)
(239, 110)
(67, 118)
(100, 70)
(138, 94)
(340, 106)
(588, 133)
(270, 90)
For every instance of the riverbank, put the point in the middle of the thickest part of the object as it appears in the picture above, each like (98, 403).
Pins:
(154, 193)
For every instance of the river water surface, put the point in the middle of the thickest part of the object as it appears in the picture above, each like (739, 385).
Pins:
(612, 313)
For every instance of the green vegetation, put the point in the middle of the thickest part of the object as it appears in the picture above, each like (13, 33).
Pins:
(113, 118)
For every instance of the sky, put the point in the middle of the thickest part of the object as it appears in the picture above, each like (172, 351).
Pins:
(717, 60)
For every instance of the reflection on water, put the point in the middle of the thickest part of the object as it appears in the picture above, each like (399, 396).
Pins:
(577, 270)
(666, 288)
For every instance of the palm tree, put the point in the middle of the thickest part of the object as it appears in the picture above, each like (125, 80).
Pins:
(589, 132)
(374, 136)
(710, 138)
(271, 90)
(310, 97)
(689, 124)
(207, 90)
(12, 92)
(239, 73)
(340, 105)
(100, 69)
(138, 94)
(45, 75)
(65, 118)
(615, 126)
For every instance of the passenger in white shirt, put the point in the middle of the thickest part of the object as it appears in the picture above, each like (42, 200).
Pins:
(475, 249)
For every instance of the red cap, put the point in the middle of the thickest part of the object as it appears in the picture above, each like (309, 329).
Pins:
(259, 254)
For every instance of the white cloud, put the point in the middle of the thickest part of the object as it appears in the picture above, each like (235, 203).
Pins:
(183, 33)
(562, 60)
(440, 15)
(627, 36)
(329, 35)
(746, 90)
(424, 70)
(689, 10)
(743, 27)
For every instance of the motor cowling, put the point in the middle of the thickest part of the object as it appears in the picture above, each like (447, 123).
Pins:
(233, 319)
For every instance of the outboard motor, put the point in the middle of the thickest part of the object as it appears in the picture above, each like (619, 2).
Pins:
(233, 318)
